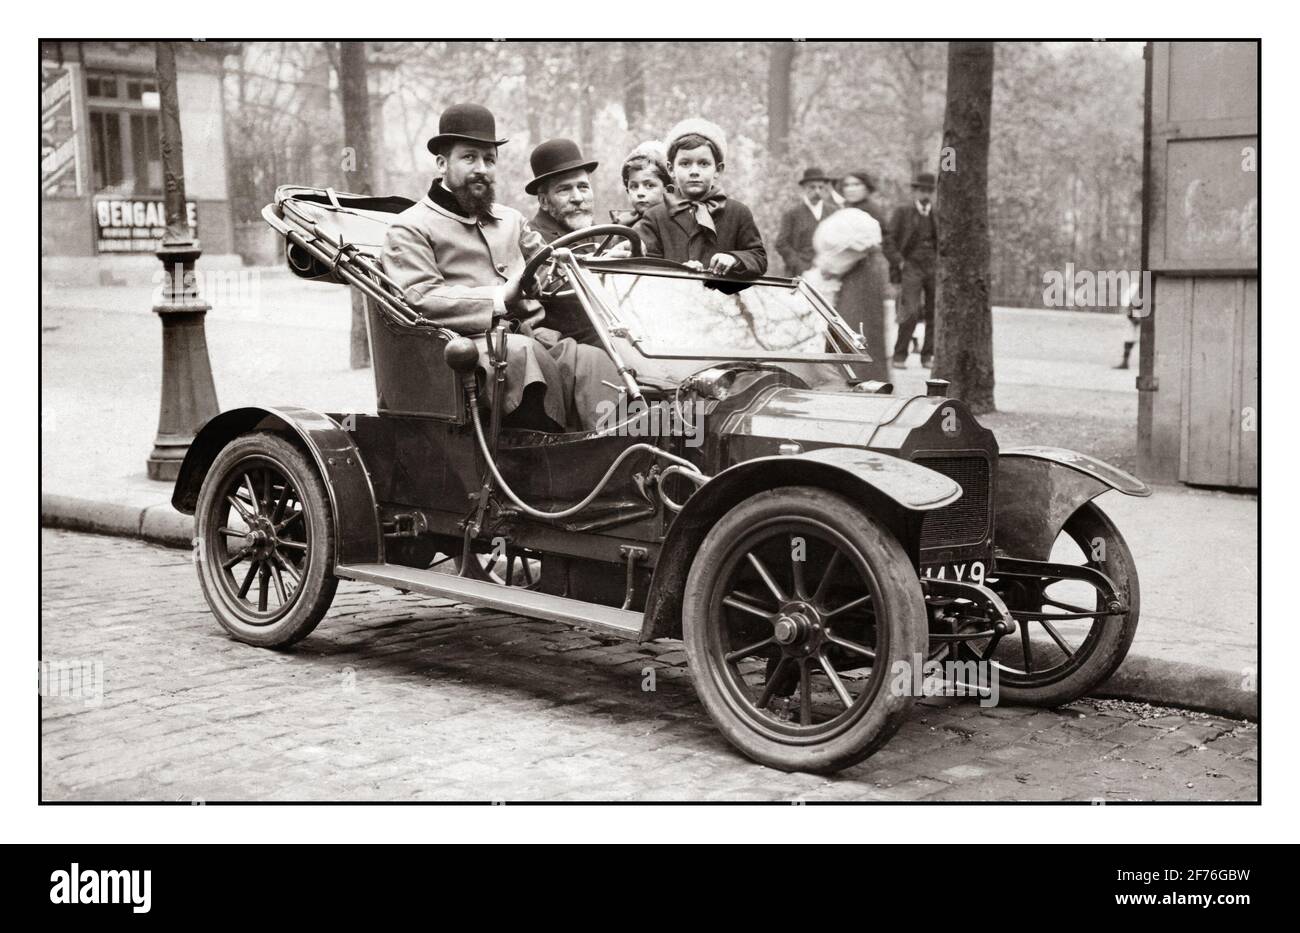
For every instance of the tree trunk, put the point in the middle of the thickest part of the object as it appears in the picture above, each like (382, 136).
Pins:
(634, 87)
(534, 69)
(780, 68)
(357, 166)
(921, 129)
(586, 110)
(964, 339)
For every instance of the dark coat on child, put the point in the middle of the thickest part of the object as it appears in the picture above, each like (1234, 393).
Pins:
(679, 237)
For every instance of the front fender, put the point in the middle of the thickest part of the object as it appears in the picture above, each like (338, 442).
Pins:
(898, 492)
(1039, 488)
(357, 534)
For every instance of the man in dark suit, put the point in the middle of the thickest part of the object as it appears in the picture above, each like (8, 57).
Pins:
(794, 242)
(913, 251)
(562, 183)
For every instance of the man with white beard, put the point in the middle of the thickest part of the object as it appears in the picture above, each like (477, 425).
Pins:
(562, 183)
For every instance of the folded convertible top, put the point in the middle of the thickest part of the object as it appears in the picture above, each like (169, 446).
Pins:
(338, 237)
(334, 217)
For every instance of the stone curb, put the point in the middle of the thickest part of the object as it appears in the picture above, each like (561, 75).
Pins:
(159, 524)
(1141, 678)
(1191, 686)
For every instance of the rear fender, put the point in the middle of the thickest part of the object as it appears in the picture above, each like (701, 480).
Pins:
(1039, 488)
(897, 492)
(352, 499)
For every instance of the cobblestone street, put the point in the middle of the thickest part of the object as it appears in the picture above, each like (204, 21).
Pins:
(399, 698)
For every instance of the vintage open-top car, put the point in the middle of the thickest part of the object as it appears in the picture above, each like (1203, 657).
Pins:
(810, 536)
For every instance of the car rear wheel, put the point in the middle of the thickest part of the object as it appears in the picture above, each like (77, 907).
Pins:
(797, 609)
(1055, 660)
(265, 540)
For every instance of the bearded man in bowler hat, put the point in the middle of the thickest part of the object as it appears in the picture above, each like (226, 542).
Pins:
(912, 248)
(795, 240)
(565, 203)
(458, 256)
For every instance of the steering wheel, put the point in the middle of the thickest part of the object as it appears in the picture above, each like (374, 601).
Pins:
(528, 286)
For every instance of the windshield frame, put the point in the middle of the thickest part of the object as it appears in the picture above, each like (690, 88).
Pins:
(578, 268)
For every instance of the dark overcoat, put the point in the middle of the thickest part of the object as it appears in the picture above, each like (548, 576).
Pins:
(679, 237)
(564, 313)
(794, 242)
(904, 225)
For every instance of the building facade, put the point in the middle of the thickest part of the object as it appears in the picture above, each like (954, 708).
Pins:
(101, 159)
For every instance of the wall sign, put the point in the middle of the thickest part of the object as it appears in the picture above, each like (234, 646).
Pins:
(136, 225)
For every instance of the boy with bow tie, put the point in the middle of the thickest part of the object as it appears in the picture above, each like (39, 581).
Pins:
(699, 225)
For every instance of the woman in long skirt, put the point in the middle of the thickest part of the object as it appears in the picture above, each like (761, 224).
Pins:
(863, 285)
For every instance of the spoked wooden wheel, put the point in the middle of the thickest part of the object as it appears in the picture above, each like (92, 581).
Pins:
(265, 555)
(1066, 644)
(797, 608)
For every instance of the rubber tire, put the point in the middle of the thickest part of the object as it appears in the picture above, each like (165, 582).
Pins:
(314, 596)
(905, 611)
(1116, 635)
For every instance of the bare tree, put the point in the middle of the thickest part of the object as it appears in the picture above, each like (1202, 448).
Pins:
(586, 109)
(914, 74)
(964, 344)
(634, 87)
(780, 70)
(357, 166)
(1064, 169)
(534, 67)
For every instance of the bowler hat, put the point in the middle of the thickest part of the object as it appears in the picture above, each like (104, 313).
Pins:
(814, 174)
(470, 122)
(555, 157)
(923, 180)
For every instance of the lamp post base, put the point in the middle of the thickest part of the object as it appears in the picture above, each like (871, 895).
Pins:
(189, 398)
(164, 461)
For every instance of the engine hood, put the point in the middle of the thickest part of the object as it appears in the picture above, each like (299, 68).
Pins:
(813, 418)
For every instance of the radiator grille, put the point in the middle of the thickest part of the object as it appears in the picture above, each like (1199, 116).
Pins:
(966, 521)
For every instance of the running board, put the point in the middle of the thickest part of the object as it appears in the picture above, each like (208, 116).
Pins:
(605, 619)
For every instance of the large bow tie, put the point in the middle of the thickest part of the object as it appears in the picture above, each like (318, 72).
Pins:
(713, 201)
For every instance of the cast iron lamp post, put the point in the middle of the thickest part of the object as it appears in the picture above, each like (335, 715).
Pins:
(189, 397)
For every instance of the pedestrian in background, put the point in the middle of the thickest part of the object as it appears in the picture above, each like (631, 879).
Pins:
(864, 284)
(912, 248)
(1133, 294)
(794, 241)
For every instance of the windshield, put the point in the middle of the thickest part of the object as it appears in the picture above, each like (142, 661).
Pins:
(675, 314)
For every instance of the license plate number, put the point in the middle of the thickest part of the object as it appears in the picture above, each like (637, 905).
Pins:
(967, 572)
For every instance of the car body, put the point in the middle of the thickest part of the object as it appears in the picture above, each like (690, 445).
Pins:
(743, 427)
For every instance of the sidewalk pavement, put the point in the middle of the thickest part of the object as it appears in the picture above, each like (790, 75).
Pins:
(274, 339)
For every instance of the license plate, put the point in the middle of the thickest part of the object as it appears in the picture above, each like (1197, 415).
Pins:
(967, 572)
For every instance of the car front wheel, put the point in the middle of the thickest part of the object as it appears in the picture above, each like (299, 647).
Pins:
(798, 609)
